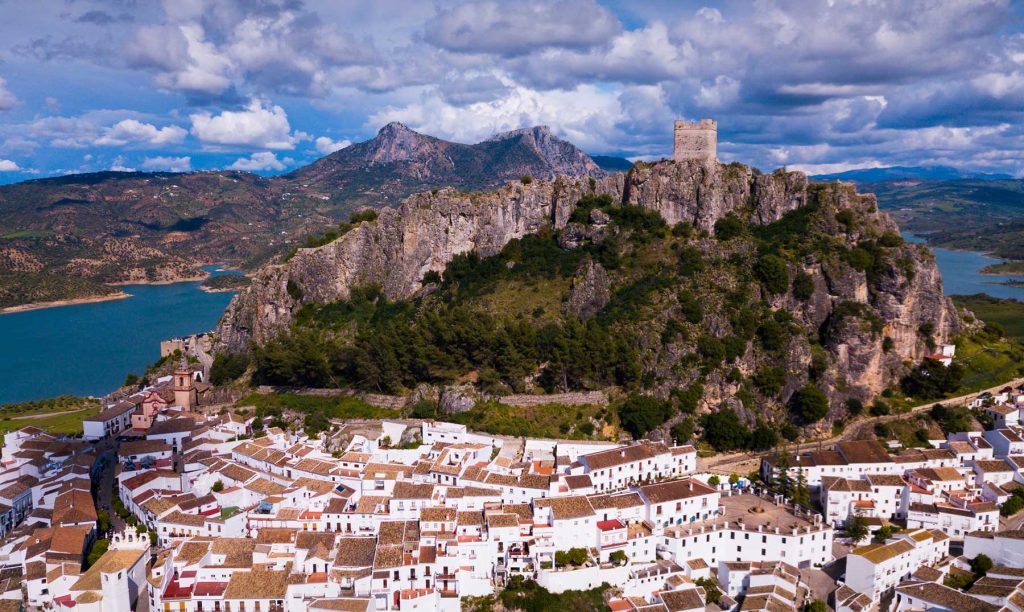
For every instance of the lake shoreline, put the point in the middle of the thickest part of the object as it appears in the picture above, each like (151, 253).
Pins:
(174, 281)
(56, 346)
(120, 295)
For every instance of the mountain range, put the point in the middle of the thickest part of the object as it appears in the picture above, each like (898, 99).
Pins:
(400, 161)
(74, 236)
(892, 173)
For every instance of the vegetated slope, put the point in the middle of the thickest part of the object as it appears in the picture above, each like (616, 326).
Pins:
(1005, 314)
(978, 215)
(400, 161)
(712, 285)
(68, 236)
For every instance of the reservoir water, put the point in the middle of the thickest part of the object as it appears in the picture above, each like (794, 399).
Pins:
(961, 272)
(88, 349)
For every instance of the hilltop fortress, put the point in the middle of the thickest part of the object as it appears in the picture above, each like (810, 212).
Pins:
(696, 140)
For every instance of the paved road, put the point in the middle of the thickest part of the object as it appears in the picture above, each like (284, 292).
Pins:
(721, 463)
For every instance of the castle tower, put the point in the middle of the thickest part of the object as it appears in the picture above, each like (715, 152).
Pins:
(185, 394)
(696, 140)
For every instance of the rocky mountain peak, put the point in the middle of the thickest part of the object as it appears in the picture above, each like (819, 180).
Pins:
(397, 142)
(537, 132)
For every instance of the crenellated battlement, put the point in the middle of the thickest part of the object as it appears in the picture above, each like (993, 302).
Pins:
(696, 140)
(703, 124)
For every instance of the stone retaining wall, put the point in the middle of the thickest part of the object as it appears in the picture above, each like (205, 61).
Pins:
(578, 398)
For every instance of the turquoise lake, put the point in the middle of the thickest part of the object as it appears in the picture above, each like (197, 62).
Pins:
(960, 273)
(87, 349)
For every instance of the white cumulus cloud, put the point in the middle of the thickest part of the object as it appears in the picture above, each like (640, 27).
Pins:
(260, 125)
(132, 131)
(326, 146)
(264, 160)
(585, 115)
(7, 165)
(170, 164)
(120, 164)
(7, 99)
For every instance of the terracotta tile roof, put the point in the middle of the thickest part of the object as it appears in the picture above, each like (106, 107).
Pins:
(877, 553)
(993, 466)
(499, 520)
(237, 551)
(523, 511)
(677, 601)
(437, 515)
(172, 426)
(622, 455)
(192, 551)
(411, 490)
(372, 504)
(111, 561)
(139, 447)
(345, 604)
(675, 490)
(631, 499)
(885, 480)
(564, 508)
(72, 507)
(845, 485)
(276, 535)
(388, 556)
(946, 597)
(110, 413)
(579, 481)
(863, 451)
(264, 486)
(356, 552)
(257, 584)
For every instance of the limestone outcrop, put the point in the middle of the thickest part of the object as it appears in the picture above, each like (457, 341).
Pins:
(872, 323)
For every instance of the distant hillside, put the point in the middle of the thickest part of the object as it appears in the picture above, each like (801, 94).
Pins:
(67, 237)
(399, 162)
(612, 164)
(972, 214)
(892, 173)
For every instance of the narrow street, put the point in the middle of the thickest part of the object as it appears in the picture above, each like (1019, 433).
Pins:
(104, 494)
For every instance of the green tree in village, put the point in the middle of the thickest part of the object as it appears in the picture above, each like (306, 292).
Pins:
(801, 495)
(857, 528)
(816, 606)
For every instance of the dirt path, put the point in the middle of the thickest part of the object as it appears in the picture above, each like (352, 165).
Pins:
(729, 462)
(47, 415)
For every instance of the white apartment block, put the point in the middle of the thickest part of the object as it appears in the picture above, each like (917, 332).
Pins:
(618, 468)
(877, 568)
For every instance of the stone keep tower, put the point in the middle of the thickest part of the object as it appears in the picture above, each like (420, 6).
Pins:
(696, 140)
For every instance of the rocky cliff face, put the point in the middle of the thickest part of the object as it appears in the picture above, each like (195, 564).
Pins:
(396, 251)
(871, 319)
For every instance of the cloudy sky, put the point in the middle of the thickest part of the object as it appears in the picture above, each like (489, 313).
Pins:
(268, 85)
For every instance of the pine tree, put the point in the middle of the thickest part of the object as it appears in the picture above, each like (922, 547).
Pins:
(801, 496)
